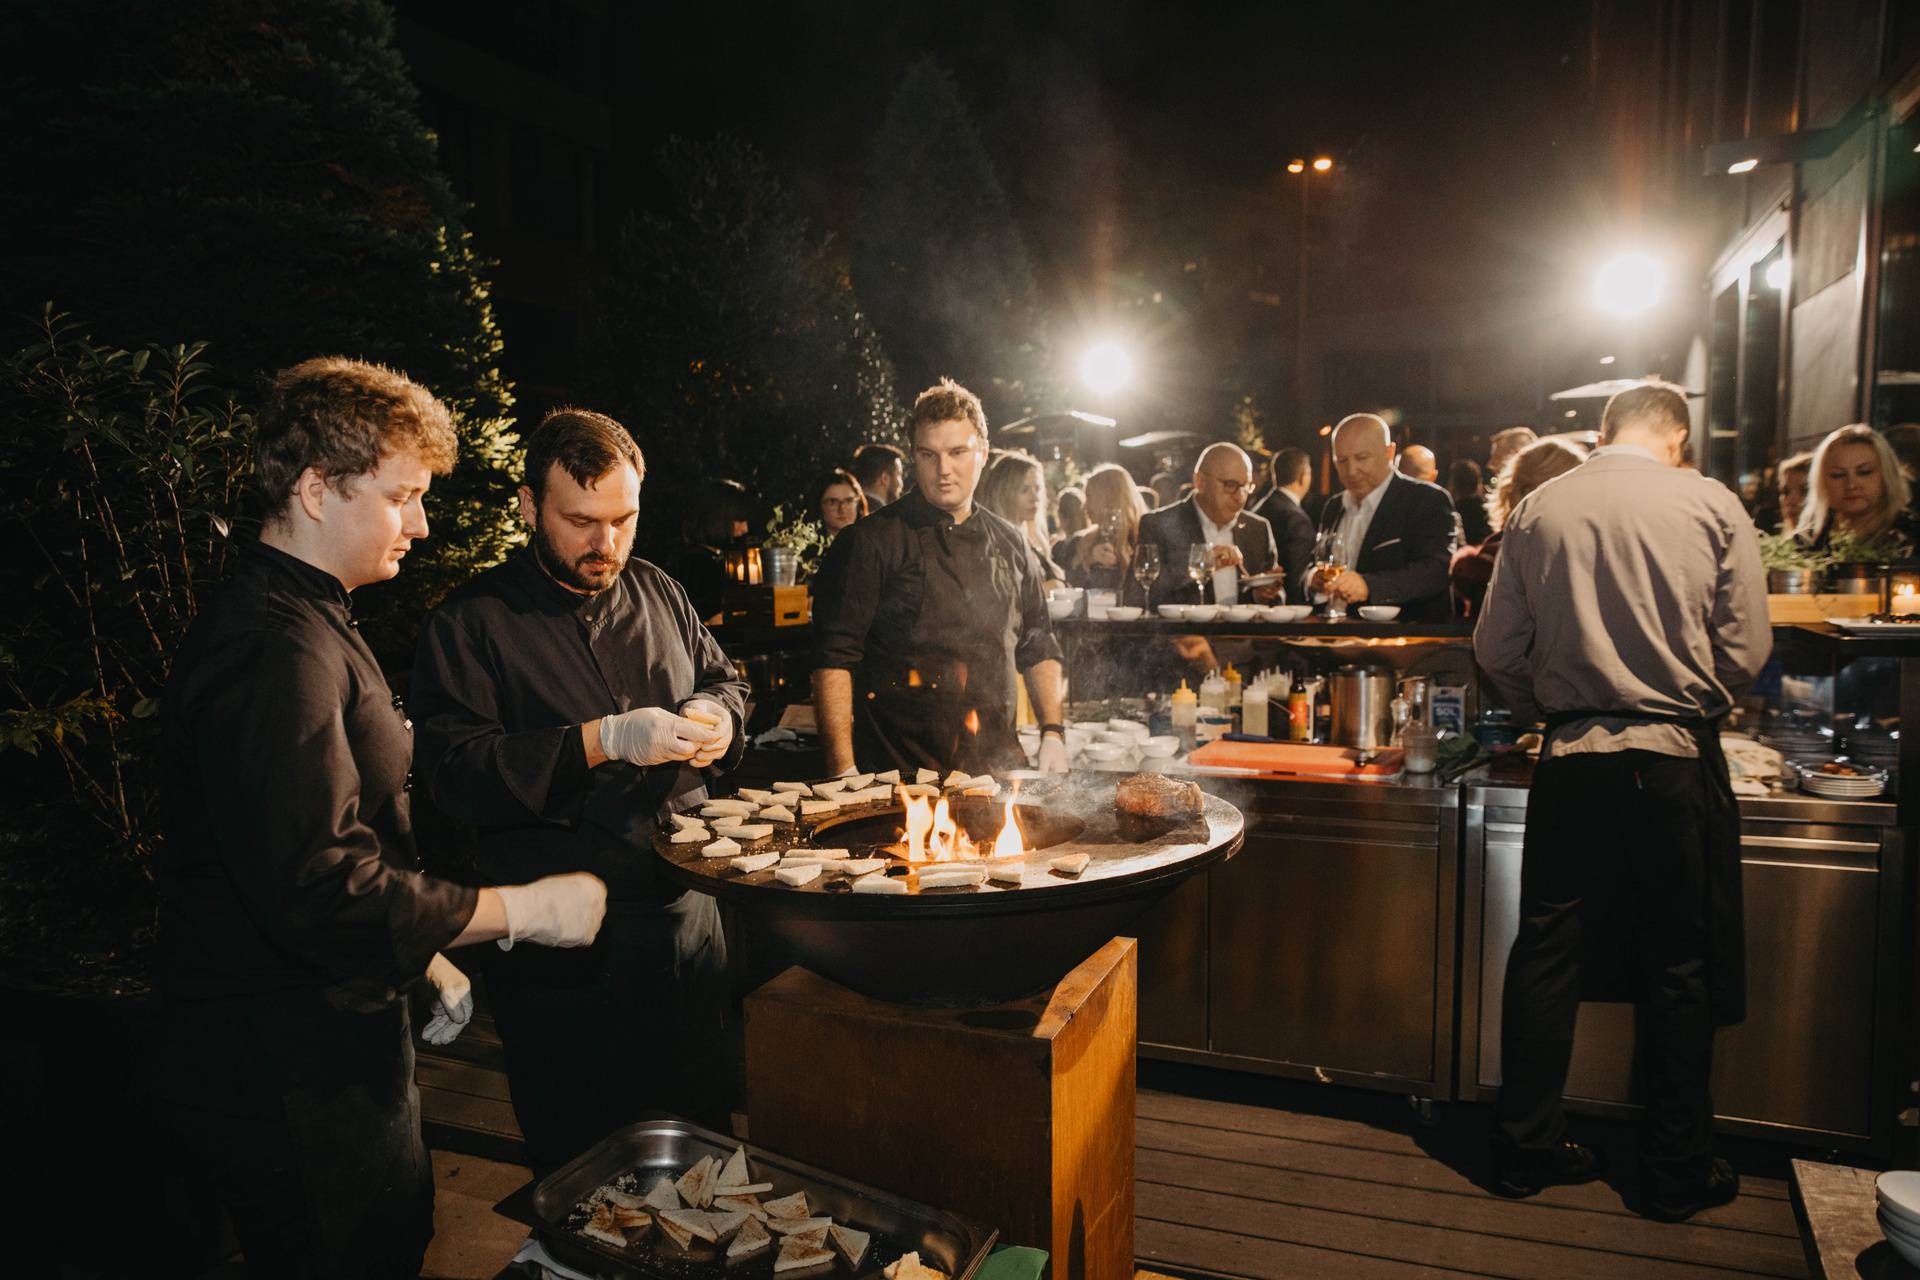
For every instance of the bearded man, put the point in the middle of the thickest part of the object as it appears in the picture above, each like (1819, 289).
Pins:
(568, 700)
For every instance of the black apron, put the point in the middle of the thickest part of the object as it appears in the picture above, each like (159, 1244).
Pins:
(1726, 912)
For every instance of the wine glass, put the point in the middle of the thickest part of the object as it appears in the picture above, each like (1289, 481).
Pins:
(1333, 563)
(1146, 568)
(1200, 567)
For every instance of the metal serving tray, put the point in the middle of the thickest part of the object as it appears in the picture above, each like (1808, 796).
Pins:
(666, 1145)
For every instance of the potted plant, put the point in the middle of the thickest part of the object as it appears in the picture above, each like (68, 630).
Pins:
(794, 547)
(1792, 567)
(1858, 566)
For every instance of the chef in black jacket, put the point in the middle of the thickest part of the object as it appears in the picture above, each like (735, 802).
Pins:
(293, 915)
(568, 700)
(1398, 531)
(927, 611)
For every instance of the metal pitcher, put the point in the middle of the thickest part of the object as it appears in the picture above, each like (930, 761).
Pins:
(1361, 699)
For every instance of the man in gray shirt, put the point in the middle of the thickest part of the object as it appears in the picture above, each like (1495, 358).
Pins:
(1629, 606)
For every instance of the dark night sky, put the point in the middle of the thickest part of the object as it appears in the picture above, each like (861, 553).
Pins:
(1135, 136)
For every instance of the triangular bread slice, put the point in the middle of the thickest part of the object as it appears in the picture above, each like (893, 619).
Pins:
(727, 1221)
(852, 1244)
(747, 1189)
(629, 1219)
(891, 775)
(797, 1254)
(663, 1196)
(673, 1230)
(909, 1267)
(793, 1206)
(696, 1184)
(735, 1172)
(691, 1221)
(799, 1226)
(739, 1204)
(749, 1240)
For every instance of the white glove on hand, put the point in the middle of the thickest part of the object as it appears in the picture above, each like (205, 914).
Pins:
(707, 712)
(554, 911)
(452, 1002)
(652, 735)
(1053, 754)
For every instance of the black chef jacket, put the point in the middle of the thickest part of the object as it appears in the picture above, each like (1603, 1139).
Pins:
(933, 619)
(510, 667)
(290, 870)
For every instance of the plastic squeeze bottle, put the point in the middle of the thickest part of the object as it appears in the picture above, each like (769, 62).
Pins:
(1253, 709)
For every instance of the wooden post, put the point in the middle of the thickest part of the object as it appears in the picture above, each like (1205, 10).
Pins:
(1018, 1115)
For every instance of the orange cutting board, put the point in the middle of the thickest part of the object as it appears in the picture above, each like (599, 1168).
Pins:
(1296, 757)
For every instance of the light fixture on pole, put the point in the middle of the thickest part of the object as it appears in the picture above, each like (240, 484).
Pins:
(1106, 368)
(1629, 284)
(1321, 164)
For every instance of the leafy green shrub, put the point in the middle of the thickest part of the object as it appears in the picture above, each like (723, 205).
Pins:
(121, 473)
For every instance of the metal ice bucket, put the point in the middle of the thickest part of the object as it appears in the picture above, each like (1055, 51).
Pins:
(1362, 703)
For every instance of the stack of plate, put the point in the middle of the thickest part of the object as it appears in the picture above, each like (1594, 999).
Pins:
(1899, 1197)
(1799, 743)
(1863, 785)
(1875, 747)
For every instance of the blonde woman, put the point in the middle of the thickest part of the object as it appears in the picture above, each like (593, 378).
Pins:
(1015, 489)
(1795, 474)
(1522, 473)
(1856, 487)
(1101, 555)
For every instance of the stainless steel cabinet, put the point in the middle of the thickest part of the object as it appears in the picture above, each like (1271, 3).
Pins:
(1817, 1058)
(1326, 946)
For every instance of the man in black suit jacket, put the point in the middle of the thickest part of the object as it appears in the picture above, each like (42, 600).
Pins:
(1292, 526)
(1404, 526)
(1222, 479)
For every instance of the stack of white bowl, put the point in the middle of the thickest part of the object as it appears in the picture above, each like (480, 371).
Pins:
(1899, 1197)
(1863, 785)
(1117, 746)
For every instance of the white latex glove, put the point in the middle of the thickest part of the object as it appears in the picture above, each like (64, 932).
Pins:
(554, 911)
(452, 1002)
(652, 735)
(706, 711)
(1053, 754)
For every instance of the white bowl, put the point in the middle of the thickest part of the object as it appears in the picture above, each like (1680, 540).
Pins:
(1118, 737)
(1894, 1224)
(1066, 593)
(1899, 1191)
(1379, 612)
(1907, 1246)
(1202, 612)
(1129, 726)
(1240, 612)
(1105, 752)
(1058, 609)
(1089, 726)
(1160, 747)
(1177, 612)
(1287, 612)
(1122, 613)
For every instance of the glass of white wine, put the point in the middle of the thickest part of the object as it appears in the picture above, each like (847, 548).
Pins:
(1333, 563)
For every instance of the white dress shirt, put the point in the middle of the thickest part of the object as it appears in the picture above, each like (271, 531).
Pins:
(1356, 517)
(1226, 582)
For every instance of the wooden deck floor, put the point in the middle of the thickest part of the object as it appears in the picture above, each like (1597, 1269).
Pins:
(1239, 1176)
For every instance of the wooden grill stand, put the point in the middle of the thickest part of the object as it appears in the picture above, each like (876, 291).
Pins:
(1018, 1115)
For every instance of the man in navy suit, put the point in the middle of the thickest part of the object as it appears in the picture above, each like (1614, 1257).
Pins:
(1292, 526)
(1214, 514)
(1398, 531)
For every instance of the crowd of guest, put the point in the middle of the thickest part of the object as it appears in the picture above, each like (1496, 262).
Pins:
(1389, 533)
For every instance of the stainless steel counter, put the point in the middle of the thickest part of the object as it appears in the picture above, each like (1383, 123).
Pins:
(1326, 949)
(1817, 1060)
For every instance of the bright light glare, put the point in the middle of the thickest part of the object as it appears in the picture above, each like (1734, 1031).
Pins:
(1744, 166)
(1629, 284)
(1300, 166)
(1323, 164)
(1106, 368)
(1778, 273)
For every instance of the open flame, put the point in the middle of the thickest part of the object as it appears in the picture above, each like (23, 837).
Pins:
(932, 835)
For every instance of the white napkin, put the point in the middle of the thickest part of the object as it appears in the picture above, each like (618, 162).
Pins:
(533, 1251)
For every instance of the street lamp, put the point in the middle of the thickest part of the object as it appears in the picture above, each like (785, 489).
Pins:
(1321, 164)
(1628, 284)
(1106, 368)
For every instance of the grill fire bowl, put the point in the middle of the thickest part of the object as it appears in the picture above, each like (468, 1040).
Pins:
(967, 946)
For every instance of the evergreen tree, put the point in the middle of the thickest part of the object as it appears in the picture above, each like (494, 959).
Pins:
(254, 174)
(726, 341)
(938, 258)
